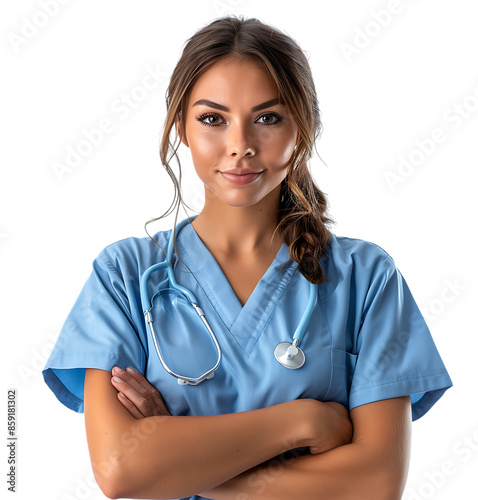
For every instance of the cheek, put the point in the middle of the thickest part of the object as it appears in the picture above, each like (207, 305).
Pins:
(205, 146)
(279, 151)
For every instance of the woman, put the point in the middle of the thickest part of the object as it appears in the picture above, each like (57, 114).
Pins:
(242, 99)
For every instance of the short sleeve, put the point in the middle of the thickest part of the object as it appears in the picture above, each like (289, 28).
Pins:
(99, 332)
(396, 354)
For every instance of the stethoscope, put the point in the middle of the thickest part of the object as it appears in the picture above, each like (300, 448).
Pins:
(289, 355)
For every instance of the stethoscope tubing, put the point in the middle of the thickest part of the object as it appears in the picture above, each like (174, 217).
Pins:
(200, 312)
(176, 288)
(162, 265)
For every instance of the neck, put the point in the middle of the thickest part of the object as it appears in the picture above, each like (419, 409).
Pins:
(239, 231)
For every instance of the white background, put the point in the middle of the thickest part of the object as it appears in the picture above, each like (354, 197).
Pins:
(406, 76)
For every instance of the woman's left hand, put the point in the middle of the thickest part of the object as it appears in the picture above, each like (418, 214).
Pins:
(137, 395)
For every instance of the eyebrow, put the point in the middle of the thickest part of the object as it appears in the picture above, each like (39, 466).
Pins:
(213, 104)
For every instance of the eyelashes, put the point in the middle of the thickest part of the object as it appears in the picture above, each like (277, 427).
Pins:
(205, 116)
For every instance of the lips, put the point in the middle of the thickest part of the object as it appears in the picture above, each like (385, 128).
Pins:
(240, 179)
(241, 171)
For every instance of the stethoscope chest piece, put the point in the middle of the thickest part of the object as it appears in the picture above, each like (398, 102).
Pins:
(289, 355)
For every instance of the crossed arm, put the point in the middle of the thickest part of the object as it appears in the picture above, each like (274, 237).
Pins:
(138, 450)
(374, 466)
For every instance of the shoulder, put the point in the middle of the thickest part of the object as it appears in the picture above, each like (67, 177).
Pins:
(356, 252)
(134, 254)
(355, 263)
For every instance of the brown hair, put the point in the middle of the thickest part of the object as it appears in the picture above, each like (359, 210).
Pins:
(302, 215)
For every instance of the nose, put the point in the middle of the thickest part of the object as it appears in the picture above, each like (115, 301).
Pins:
(240, 143)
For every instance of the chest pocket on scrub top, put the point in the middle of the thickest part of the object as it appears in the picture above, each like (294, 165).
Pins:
(342, 372)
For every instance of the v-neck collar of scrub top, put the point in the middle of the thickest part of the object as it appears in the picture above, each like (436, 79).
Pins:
(247, 322)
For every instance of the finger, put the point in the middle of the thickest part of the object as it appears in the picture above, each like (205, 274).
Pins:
(146, 391)
(128, 378)
(156, 395)
(129, 406)
(144, 382)
(141, 400)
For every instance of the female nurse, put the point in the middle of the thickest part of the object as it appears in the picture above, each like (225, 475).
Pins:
(242, 99)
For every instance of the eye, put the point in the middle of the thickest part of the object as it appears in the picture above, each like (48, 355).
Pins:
(206, 116)
(278, 117)
(205, 119)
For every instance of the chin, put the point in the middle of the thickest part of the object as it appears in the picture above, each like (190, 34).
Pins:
(238, 204)
(242, 203)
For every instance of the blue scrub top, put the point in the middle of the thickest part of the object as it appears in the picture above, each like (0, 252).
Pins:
(366, 339)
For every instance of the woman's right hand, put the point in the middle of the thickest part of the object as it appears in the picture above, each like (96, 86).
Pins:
(327, 424)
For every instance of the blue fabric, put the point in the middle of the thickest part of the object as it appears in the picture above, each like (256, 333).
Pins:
(366, 339)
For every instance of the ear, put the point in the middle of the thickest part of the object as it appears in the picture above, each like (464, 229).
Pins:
(181, 129)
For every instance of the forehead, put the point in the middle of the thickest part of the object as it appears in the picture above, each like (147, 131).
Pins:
(232, 79)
